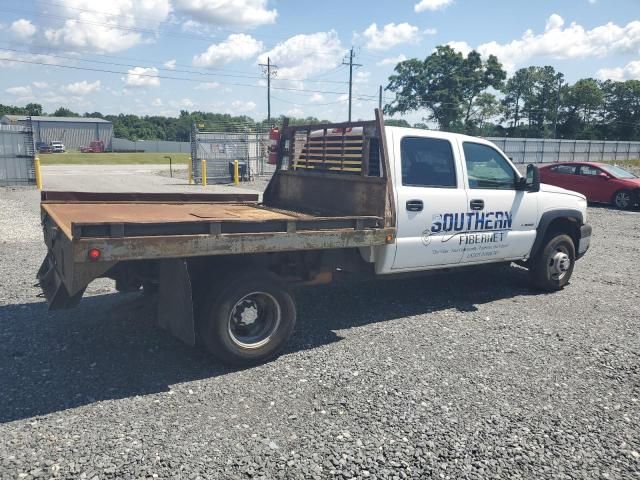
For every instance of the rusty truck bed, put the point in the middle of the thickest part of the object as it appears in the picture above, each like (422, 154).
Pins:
(138, 227)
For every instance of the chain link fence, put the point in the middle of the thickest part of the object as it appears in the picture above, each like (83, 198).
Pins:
(220, 147)
(539, 150)
(17, 156)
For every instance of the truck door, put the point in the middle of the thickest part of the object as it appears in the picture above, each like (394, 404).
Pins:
(430, 197)
(501, 221)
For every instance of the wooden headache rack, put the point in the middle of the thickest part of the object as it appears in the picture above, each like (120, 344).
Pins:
(351, 148)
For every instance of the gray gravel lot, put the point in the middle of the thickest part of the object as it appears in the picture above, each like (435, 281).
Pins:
(459, 376)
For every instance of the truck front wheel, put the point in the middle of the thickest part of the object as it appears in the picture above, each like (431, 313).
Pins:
(552, 266)
(248, 319)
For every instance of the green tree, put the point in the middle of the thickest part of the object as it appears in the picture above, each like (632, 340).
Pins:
(515, 90)
(541, 102)
(446, 84)
(399, 122)
(33, 109)
(64, 112)
(485, 107)
(621, 110)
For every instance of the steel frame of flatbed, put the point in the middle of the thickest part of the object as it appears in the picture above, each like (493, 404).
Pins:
(168, 241)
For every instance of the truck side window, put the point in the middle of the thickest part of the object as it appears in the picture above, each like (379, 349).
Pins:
(427, 162)
(486, 168)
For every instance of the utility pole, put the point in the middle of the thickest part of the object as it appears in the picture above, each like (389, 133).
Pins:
(270, 70)
(351, 65)
(380, 98)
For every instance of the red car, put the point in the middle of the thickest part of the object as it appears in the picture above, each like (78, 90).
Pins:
(599, 182)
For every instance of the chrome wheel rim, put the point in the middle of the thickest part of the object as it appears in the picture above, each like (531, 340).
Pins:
(623, 199)
(559, 263)
(254, 319)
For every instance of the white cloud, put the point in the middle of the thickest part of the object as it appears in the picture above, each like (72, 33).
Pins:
(22, 29)
(316, 98)
(237, 46)
(302, 56)
(81, 88)
(110, 28)
(207, 86)
(432, 5)
(391, 35)
(362, 77)
(242, 106)
(462, 47)
(40, 84)
(563, 42)
(157, 102)
(295, 111)
(392, 60)
(20, 91)
(170, 64)
(7, 57)
(631, 71)
(430, 31)
(235, 13)
(142, 77)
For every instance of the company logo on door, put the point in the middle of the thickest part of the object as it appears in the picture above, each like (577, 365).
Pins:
(470, 227)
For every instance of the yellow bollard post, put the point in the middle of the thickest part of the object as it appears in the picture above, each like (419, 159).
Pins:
(190, 173)
(38, 173)
(236, 172)
(203, 171)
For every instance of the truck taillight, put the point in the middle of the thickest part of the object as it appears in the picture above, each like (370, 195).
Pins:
(94, 254)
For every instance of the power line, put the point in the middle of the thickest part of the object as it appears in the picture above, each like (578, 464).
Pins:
(72, 67)
(195, 72)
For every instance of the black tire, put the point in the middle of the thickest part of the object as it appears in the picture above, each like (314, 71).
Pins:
(271, 317)
(551, 268)
(623, 199)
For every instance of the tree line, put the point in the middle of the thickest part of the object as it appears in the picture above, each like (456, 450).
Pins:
(473, 95)
(158, 127)
(456, 92)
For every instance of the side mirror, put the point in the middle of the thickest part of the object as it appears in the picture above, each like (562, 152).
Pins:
(532, 178)
(603, 175)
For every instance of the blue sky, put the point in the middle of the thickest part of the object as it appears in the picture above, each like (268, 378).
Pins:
(161, 56)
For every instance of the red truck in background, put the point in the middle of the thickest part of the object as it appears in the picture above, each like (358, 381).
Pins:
(96, 146)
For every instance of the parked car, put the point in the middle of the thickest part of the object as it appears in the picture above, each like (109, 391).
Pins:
(57, 147)
(42, 147)
(599, 182)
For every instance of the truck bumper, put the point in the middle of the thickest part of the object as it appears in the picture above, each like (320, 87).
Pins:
(584, 241)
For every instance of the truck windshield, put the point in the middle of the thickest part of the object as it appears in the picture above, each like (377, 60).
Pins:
(617, 172)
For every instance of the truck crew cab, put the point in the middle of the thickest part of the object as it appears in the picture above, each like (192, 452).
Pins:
(357, 197)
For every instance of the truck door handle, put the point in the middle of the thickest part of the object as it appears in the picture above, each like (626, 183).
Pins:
(477, 204)
(415, 205)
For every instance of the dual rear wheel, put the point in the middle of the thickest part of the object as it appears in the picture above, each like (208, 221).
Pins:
(248, 319)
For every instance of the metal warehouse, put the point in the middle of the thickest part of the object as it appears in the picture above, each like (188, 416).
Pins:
(74, 132)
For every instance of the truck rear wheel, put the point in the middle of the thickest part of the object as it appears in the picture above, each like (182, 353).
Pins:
(551, 268)
(249, 318)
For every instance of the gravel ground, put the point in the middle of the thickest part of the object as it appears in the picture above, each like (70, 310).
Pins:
(460, 376)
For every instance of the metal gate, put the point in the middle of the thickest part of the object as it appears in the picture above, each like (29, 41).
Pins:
(17, 155)
(247, 144)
